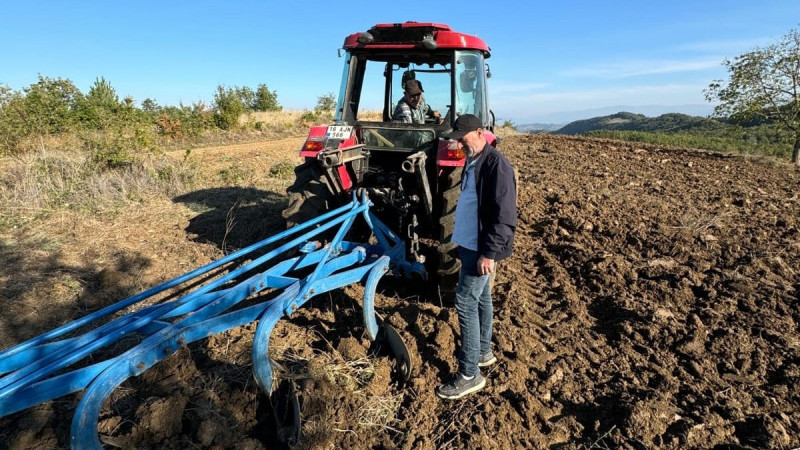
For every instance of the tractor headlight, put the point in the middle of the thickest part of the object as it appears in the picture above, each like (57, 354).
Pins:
(429, 43)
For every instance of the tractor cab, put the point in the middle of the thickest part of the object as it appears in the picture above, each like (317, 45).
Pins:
(449, 66)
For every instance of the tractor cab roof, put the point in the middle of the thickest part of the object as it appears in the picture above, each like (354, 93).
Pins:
(412, 36)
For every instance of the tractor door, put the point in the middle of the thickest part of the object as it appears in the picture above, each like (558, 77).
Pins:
(470, 86)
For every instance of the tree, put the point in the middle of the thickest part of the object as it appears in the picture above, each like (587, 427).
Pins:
(265, 100)
(100, 105)
(763, 84)
(48, 105)
(326, 102)
(102, 94)
(151, 106)
(228, 107)
(246, 95)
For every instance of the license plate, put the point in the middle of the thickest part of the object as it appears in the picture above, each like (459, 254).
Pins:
(339, 132)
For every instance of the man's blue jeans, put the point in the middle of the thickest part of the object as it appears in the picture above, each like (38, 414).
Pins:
(474, 307)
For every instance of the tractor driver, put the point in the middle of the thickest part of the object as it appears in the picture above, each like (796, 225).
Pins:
(412, 108)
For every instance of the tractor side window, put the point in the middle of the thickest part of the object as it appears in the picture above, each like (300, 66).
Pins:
(370, 107)
(470, 84)
(361, 90)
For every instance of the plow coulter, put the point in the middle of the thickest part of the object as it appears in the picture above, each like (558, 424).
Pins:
(81, 355)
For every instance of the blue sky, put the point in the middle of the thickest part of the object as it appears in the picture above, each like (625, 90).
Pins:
(551, 62)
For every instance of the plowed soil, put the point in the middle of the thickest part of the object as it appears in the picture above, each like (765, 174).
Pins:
(652, 301)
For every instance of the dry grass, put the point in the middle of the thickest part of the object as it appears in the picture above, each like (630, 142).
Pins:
(379, 412)
(505, 131)
(291, 119)
(375, 408)
(274, 119)
(697, 222)
(374, 116)
(48, 180)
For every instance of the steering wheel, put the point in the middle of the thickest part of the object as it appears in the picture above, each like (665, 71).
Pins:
(434, 120)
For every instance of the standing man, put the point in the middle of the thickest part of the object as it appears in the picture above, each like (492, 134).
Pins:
(486, 218)
(412, 108)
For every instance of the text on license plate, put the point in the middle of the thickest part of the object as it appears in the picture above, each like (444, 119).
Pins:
(339, 132)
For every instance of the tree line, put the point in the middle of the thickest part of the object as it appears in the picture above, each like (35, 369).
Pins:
(55, 106)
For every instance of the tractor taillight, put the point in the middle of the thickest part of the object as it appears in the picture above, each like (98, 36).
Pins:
(450, 154)
(455, 153)
(312, 146)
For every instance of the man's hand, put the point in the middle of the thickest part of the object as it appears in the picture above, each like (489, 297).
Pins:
(485, 265)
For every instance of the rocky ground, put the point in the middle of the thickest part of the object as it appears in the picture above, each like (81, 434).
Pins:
(652, 301)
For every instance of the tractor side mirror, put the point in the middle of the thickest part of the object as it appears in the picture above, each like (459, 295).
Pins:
(467, 80)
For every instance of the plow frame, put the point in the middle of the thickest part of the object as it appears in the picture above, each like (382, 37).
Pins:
(38, 370)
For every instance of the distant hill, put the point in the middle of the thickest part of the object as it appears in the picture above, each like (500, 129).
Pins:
(681, 130)
(538, 127)
(625, 121)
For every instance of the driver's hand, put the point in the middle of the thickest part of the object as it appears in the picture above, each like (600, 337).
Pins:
(437, 114)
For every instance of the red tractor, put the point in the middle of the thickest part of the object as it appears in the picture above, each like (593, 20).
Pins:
(412, 174)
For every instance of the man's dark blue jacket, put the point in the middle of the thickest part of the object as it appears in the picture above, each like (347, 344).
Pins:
(496, 187)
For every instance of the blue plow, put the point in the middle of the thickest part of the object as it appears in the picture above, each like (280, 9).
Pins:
(44, 368)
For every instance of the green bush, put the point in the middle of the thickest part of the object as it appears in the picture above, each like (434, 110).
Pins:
(236, 174)
(283, 169)
(231, 103)
(44, 108)
(309, 116)
(326, 102)
(110, 150)
(229, 106)
(265, 100)
(184, 121)
(99, 108)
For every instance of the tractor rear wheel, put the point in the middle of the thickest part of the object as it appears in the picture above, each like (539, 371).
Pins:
(309, 196)
(449, 265)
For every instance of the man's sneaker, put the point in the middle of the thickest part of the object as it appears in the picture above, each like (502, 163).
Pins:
(459, 386)
(486, 359)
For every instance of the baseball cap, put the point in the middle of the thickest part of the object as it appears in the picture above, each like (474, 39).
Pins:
(464, 124)
(413, 87)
